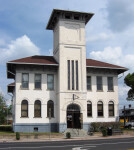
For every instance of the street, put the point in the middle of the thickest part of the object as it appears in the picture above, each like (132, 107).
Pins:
(103, 144)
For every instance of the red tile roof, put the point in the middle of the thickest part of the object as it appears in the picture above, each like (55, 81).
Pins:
(36, 60)
(49, 60)
(100, 64)
(11, 84)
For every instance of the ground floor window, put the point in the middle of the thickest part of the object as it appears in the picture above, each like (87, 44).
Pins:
(89, 109)
(100, 108)
(37, 108)
(50, 108)
(111, 109)
(24, 108)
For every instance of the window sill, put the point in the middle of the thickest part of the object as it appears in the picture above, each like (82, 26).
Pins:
(51, 117)
(100, 117)
(50, 90)
(37, 117)
(37, 89)
(111, 117)
(24, 88)
(110, 91)
(24, 117)
(99, 91)
(89, 90)
(89, 117)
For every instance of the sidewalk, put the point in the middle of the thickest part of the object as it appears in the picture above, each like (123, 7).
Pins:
(64, 139)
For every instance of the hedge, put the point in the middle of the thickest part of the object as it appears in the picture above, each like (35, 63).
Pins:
(97, 126)
(5, 128)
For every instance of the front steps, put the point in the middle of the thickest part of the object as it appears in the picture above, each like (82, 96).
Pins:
(76, 132)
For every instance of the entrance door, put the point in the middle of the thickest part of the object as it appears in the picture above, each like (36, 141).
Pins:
(73, 116)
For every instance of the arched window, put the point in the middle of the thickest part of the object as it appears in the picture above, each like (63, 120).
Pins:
(50, 109)
(100, 109)
(73, 107)
(111, 108)
(37, 108)
(89, 108)
(24, 108)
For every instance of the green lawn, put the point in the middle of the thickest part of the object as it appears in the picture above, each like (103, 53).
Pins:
(12, 133)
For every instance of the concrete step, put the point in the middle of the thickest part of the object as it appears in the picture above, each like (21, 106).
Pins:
(76, 132)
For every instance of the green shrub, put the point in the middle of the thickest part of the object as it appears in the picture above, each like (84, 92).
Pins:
(17, 136)
(104, 131)
(68, 135)
(5, 128)
(97, 126)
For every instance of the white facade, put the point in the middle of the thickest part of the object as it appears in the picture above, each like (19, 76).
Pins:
(69, 45)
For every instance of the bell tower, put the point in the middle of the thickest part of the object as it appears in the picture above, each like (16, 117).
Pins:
(69, 50)
(69, 47)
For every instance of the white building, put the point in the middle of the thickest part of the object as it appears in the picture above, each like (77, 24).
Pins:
(70, 89)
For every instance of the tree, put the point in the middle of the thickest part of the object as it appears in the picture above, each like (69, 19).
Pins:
(3, 112)
(129, 81)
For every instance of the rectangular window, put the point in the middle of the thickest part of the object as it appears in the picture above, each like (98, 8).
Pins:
(50, 82)
(72, 74)
(68, 62)
(110, 83)
(25, 80)
(88, 82)
(99, 83)
(37, 81)
(76, 75)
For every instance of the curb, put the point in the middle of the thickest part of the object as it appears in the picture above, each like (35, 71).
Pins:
(64, 139)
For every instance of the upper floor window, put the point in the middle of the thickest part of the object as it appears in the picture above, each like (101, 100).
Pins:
(73, 74)
(88, 82)
(111, 108)
(110, 83)
(37, 81)
(50, 82)
(99, 83)
(100, 109)
(89, 108)
(37, 108)
(25, 80)
(50, 108)
(24, 108)
(76, 66)
(68, 67)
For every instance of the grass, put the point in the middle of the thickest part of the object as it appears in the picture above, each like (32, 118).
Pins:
(12, 133)
(127, 129)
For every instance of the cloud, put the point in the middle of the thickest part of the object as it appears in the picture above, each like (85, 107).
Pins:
(114, 55)
(120, 14)
(2, 42)
(21, 47)
(99, 37)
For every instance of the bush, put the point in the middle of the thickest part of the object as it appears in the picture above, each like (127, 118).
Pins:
(17, 136)
(98, 126)
(5, 128)
(104, 131)
(68, 135)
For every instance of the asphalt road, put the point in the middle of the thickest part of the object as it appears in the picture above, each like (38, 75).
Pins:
(103, 144)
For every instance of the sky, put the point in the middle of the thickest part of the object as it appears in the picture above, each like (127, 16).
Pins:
(109, 34)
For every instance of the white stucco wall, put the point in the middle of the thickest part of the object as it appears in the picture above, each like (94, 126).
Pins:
(32, 94)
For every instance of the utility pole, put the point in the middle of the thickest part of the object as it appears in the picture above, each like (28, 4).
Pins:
(49, 123)
(124, 117)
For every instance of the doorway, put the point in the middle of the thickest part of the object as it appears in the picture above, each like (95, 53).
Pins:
(74, 119)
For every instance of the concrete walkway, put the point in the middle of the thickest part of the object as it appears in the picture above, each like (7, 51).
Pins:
(64, 139)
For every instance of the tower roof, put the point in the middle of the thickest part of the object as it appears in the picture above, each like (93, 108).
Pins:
(67, 14)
